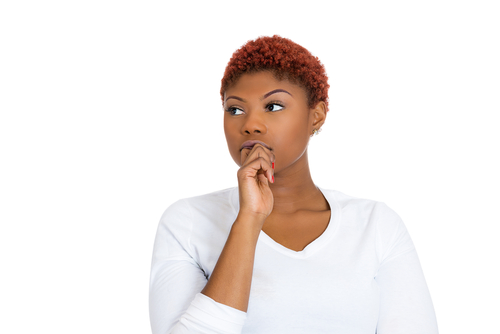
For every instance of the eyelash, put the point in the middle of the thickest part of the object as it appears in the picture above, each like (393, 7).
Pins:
(232, 109)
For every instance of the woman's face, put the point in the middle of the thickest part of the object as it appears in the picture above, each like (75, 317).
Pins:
(258, 107)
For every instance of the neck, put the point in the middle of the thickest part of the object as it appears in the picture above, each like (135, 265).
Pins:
(294, 188)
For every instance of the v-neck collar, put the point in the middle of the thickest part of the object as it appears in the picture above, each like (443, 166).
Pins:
(315, 245)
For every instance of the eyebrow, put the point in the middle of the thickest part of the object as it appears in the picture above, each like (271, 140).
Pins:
(265, 95)
(276, 91)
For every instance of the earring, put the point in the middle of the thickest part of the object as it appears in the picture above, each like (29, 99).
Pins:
(316, 132)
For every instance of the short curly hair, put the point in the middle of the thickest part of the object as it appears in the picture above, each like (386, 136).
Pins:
(285, 59)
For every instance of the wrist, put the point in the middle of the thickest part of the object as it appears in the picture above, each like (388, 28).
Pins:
(250, 221)
(251, 217)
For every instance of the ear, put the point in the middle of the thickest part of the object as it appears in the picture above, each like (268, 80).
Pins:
(317, 116)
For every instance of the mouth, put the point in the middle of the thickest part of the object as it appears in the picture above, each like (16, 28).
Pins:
(251, 143)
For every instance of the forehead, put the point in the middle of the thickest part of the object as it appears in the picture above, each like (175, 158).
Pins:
(260, 83)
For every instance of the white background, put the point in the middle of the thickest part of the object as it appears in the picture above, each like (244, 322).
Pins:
(110, 111)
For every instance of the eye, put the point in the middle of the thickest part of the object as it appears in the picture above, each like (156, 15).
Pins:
(234, 111)
(274, 107)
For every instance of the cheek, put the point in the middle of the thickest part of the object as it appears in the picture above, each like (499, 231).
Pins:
(292, 141)
(232, 145)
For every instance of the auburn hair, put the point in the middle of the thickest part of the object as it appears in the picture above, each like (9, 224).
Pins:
(285, 59)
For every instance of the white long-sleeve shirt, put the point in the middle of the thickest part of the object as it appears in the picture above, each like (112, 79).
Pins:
(361, 276)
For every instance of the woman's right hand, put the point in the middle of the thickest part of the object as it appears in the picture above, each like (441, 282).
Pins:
(254, 176)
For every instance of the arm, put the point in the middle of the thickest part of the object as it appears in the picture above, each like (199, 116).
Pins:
(405, 303)
(232, 276)
(176, 306)
(175, 303)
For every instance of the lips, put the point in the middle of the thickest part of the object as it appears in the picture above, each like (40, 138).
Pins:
(251, 143)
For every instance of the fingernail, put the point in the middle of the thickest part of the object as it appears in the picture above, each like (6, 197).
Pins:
(273, 165)
(273, 178)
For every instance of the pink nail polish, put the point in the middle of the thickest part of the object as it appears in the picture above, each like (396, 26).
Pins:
(273, 178)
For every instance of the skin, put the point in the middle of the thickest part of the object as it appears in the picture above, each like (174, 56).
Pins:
(282, 201)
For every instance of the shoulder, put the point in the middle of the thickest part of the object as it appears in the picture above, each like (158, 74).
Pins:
(199, 225)
(372, 218)
(214, 201)
(361, 212)
(189, 219)
(357, 206)
(347, 201)
(203, 211)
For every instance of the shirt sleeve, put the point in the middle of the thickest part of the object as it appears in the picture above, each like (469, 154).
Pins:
(175, 302)
(405, 303)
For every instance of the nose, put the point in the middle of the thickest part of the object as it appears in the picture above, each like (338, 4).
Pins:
(254, 123)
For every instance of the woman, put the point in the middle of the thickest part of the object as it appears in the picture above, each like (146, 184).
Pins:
(278, 254)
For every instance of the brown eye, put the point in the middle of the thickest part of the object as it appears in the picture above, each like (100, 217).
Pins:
(234, 111)
(274, 107)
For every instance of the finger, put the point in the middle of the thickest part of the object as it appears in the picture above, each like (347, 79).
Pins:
(263, 179)
(261, 152)
(257, 151)
(256, 167)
